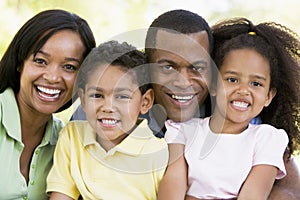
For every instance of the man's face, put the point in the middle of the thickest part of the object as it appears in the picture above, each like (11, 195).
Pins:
(180, 73)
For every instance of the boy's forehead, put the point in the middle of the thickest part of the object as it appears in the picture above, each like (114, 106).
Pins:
(112, 73)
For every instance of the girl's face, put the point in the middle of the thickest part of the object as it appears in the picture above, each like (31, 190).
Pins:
(243, 87)
(47, 79)
(112, 102)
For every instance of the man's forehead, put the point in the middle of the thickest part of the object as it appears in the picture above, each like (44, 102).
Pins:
(188, 46)
(174, 41)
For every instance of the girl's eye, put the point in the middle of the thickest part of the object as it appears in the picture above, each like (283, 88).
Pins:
(232, 80)
(40, 61)
(256, 83)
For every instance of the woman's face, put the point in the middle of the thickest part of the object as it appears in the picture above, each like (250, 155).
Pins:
(47, 79)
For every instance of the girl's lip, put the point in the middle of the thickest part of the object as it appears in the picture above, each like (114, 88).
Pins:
(240, 104)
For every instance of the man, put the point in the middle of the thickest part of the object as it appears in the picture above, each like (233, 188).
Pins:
(177, 45)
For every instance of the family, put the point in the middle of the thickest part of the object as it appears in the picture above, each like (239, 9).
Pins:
(203, 112)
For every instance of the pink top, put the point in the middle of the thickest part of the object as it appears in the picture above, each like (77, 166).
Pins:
(218, 164)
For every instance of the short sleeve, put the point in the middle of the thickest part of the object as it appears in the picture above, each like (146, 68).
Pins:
(269, 149)
(60, 178)
(174, 133)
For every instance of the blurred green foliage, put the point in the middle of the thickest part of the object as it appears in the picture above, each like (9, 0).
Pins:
(113, 17)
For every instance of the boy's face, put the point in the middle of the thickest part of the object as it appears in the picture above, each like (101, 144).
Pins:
(112, 102)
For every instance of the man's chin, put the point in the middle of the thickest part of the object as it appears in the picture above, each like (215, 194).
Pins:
(181, 117)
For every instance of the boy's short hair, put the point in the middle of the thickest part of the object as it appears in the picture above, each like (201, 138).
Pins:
(118, 54)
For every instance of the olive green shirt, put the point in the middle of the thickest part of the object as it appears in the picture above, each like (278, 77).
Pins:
(12, 183)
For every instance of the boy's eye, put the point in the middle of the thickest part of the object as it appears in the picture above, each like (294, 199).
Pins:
(122, 96)
(95, 95)
(40, 61)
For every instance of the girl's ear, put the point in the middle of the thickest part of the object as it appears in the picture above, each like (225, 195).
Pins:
(81, 96)
(270, 96)
(147, 101)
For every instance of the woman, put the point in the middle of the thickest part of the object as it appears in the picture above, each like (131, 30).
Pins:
(37, 74)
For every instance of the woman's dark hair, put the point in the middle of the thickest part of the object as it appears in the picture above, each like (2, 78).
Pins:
(32, 36)
(281, 47)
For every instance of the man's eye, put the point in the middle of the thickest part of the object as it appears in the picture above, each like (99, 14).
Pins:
(167, 67)
(40, 61)
(199, 68)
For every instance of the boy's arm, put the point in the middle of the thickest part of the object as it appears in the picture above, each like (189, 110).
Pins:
(174, 183)
(288, 187)
(259, 182)
(59, 196)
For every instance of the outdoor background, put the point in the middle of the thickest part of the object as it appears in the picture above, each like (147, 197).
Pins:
(110, 18)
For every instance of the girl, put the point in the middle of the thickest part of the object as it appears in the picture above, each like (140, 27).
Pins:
(224, 155)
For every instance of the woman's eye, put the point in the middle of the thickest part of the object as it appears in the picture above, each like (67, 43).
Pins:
(40, 61)
(70, 67)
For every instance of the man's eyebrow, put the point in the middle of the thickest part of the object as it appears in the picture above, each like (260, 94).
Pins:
(199, 62)
(165, 61)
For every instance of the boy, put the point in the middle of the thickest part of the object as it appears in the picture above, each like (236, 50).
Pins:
(114, 154)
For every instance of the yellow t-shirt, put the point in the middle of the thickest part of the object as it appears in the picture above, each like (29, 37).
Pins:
(130, 170)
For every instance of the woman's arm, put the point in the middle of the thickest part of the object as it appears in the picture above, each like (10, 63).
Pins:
(259, 183)
(59, 196)
(288, 187)
(174, 183)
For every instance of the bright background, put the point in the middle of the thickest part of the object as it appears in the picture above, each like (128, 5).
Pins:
(109, 18)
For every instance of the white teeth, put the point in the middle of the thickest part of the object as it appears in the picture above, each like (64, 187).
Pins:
(49, 97)
(182, 98)
(49, 91)
(240, 104)
(109, 121)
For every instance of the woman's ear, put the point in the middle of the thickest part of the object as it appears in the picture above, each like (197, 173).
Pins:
(147, 101)
(270, 96)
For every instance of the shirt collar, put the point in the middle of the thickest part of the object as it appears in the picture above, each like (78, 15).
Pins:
(13, 127)
(131, 145)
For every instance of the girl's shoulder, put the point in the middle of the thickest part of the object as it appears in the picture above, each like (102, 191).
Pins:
(268, 132)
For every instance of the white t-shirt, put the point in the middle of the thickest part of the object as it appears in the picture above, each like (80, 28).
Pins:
(218, 164)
